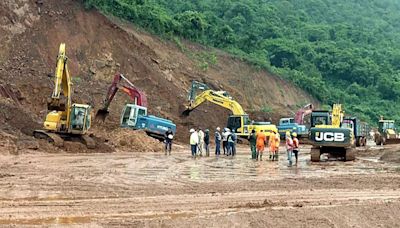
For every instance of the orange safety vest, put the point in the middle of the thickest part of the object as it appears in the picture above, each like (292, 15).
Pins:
(277, 141)
(295, 143)
(261, 140)
(272, 142)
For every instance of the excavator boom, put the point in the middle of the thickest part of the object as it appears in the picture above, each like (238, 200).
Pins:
(121, 82)
(220, 98)
(60, 99)
(238, 122)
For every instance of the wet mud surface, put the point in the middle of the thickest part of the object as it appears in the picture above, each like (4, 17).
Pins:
(151, 189)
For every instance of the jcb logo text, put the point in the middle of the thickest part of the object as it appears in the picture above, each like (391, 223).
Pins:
(329, 136)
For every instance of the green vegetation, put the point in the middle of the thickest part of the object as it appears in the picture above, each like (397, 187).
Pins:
(344, 51)
(266, 109)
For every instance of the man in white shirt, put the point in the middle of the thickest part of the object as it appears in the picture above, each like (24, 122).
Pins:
(201, 142)
(194, 140)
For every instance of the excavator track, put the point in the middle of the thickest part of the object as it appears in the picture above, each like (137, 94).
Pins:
(50, 137)
(315, 154)
(350, 154)
(88, 141)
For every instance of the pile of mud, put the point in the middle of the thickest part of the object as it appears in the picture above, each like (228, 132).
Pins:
(391, 156)
(128, 140)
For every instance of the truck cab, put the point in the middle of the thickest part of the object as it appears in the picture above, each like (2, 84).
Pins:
(135, 117)
(289, 124)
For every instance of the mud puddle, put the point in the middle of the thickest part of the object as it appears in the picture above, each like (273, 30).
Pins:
(159, 168)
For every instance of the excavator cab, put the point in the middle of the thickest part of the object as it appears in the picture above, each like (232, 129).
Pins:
(320, 118)
(239, 124)
(385, 125)
(130, 115)
(80, 118)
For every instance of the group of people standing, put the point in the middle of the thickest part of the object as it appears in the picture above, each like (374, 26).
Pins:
(258, 142)
(199, 142)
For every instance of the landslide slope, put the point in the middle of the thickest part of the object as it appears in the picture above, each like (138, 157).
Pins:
(97, 47)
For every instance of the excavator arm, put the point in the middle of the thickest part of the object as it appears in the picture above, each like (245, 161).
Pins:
(303, 112)
(60, 99)
(220, 98)
(337, 115)
(121, 82)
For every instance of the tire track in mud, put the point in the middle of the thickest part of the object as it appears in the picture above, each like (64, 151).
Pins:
(21, 211)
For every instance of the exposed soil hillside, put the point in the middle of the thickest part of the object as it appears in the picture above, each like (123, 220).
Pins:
(97, 47)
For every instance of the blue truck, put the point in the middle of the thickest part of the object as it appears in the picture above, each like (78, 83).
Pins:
(288, 124)
(135, 117)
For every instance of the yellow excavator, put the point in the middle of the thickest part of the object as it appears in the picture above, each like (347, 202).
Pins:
(239, 121)
(327, 135)
(64, 120)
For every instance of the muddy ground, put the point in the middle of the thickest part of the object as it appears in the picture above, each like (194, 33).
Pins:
(151, 189)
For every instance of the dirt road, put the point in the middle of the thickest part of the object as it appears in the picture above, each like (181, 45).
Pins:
(150, 189)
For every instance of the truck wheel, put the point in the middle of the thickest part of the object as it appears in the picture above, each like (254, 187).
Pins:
(378, 141)
(350, 155)
(315, 154)
(358, 142)
(364, 141)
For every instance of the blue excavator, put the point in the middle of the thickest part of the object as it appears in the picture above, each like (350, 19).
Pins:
(134, 115)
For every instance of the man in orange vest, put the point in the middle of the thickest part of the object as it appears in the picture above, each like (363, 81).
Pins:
(261, 141)
(272, 145)
(277, 144)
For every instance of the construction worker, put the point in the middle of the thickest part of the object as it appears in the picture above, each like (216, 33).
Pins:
(201, 141)
(295, 146)
(260, 144)
(207, 142)
(277, 144)
(225, 140)
(79, 119)
(218, 139)
(168, 136)
(194, 140)
(272, 144)
(289, 147)
(232, 143)
(253, 141)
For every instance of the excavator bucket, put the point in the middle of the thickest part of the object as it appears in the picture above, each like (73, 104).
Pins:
(101, 115)
(186, 112)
